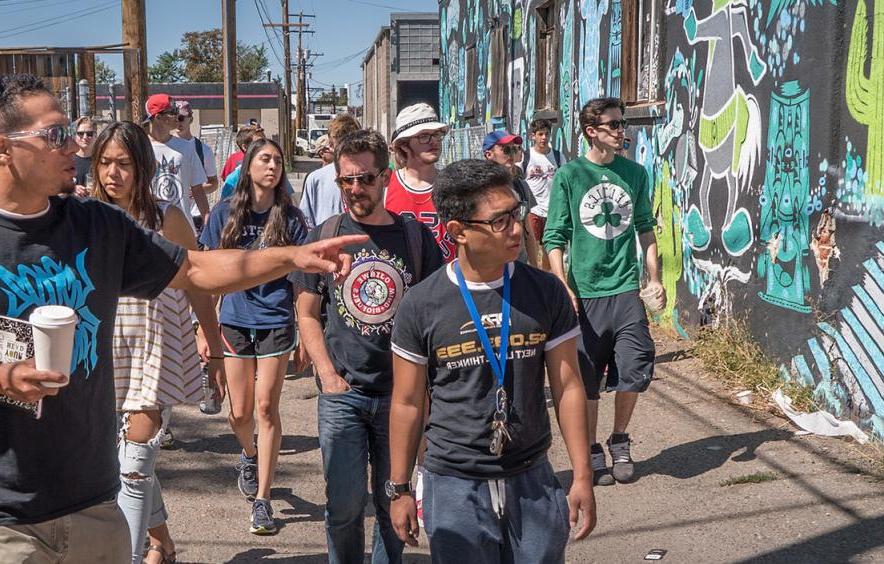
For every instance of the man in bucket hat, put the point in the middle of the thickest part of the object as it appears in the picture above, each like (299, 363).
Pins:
(416, 145)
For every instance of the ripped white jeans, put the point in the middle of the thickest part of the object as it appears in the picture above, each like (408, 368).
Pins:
(140, 497)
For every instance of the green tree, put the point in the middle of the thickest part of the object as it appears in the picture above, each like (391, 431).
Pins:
(201, 57)
(103, 73)
(167, 68)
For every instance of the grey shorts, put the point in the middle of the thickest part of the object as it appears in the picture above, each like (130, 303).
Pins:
(616, 345)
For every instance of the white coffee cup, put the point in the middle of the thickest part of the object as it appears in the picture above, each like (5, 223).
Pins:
(54, 328)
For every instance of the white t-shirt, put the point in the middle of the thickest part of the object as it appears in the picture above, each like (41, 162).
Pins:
(539, 176)
(178, 169)
(208, 165)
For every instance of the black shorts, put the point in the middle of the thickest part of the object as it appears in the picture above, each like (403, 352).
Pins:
(243, 342)
(616, 344)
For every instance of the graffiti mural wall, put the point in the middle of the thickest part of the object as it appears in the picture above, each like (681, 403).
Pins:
(765, 148)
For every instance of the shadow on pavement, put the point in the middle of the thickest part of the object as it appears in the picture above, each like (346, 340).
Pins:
(840, 545)
(692, 459)
(226, 444)
(269, 555)
(299, 510)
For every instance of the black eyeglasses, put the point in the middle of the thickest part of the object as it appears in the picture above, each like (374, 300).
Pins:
(503, 221)
(615, 124)
(366, 179)
(427, 137)
(85, 134)
(56, 136)
(183, 117)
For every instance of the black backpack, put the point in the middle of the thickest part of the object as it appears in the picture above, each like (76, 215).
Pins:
(413, 240)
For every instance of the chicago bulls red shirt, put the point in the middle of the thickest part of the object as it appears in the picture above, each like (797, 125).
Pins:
(417, 203)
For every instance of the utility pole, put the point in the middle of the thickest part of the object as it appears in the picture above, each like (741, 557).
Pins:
(286, 27)
(334, 94)
(228, 19)
(300, 115)
(135, 58)
(291, 131)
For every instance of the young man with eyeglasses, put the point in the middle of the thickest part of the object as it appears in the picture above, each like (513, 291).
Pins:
(85, 132)
(203, 152)
(59, 473)
(416, 145)
(352, 355)
(180, 176)
(599, 205)
(504, 148)
(321, 196)
(481, 335)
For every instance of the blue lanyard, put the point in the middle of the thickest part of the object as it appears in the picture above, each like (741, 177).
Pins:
(498, 364)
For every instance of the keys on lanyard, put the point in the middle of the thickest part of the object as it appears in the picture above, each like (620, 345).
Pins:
(500, 434)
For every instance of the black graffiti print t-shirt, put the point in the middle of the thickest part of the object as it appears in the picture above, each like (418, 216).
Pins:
(434, 327)
(360, 309)
(82, 254)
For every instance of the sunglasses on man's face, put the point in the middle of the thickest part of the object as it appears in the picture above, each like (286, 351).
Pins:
(511, 149)
(426, 138)
(183, 117)
(366, 179)
(615, 124)
(56, 136)
(85, 134)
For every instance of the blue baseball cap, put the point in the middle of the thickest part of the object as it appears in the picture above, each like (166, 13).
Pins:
(501, 137)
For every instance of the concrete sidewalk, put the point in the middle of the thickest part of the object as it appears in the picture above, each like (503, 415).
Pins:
(688, 439)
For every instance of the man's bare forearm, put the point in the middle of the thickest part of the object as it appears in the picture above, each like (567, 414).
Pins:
(313, 338)
(652, 261)
(557, 265)
(199, 197)
(569, 399)
(406, 417)
(230, 270)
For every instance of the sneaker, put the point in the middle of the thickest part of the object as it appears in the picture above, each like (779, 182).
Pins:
(248, 476)
(262, 518)
(167, 440)
(622, 467)
(601, 476)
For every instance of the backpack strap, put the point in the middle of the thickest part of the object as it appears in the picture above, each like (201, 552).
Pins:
(557, 156)
(414, 241)
(331, 228)
(198, 145)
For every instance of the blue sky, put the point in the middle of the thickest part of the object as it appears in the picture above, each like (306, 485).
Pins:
(343, 27)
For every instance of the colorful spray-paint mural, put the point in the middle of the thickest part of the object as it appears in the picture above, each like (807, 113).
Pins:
(766, 142)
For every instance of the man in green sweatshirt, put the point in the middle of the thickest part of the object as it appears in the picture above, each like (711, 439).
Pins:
(597, 206)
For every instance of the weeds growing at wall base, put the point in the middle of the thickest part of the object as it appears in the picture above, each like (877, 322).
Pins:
(730, 353)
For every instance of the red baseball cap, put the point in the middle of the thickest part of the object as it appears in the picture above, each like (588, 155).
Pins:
(156, 104)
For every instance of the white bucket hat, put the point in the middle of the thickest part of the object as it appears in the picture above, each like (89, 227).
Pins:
(414, 119)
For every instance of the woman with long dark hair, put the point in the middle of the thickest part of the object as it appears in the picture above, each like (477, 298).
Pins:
(156, 364)
(257, 325)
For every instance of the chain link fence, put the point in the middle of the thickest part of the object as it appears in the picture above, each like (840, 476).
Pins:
(462, 143)
(222, 141)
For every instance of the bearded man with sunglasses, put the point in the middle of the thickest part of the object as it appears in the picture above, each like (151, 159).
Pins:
(352, 355)
(481, 336)
(180, 177)
(599, 203)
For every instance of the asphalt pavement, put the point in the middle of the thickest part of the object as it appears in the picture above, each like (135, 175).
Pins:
(689, 439)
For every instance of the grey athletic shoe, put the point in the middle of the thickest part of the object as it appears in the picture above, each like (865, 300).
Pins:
(601, 476)
(622, 467)
(262, 518)
(247, 480)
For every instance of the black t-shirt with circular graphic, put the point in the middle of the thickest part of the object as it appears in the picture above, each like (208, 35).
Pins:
(360, 309)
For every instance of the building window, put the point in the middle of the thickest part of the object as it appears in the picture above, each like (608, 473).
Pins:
(472, 77)
(546, 39)
(640, 37)
(500, 63)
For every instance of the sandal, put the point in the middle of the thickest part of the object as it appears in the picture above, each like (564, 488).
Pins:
(167, 557)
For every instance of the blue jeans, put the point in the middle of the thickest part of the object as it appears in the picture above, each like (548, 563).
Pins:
(463, 525)
(353, 433)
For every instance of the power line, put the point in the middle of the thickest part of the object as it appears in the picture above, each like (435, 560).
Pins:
(31, 6)
(35, 26)
(377, 5)
(269, 39)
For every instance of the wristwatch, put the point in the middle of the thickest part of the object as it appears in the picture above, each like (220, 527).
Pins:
(394, 490)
